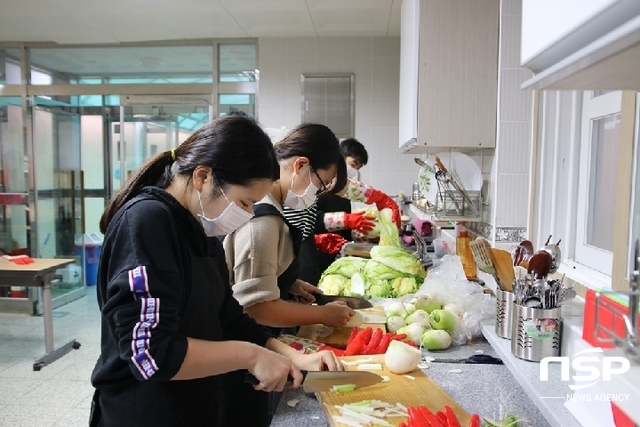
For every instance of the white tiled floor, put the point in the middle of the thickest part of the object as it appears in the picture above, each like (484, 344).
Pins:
(60, 394)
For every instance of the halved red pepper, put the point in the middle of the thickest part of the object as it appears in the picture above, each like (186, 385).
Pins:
(451, 417)
(442, 417)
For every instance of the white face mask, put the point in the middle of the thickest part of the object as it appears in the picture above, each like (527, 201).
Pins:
(352, 172)
(232, 217)
(303, 201)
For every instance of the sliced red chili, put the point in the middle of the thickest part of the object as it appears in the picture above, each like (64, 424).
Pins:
(442, 417)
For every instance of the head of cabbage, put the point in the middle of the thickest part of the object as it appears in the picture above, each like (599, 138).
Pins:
(333, 284)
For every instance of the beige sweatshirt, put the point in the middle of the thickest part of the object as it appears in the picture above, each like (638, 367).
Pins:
(257, 253)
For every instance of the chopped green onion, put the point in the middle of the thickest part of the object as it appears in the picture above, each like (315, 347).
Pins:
(343, 388)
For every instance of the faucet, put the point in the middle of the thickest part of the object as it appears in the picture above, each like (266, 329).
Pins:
(421, 246)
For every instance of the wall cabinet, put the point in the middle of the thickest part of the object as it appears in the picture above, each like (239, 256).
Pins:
(448, 74)
(581, 45)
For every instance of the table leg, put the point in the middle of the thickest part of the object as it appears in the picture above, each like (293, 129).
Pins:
(51, 354)
(47, 314)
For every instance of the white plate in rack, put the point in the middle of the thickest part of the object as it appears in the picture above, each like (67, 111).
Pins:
(466, 169)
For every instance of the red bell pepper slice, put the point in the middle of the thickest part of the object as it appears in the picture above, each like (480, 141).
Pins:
(451, 417)
(415, 417)
(354, 332)
(475, 421)
(430, 417)
(374, 342)
(384, 344)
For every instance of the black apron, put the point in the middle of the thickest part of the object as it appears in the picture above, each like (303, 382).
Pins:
(241, 404)
(292, 272)
(175, 403)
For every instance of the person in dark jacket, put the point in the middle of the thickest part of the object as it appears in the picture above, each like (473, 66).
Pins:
(170, 324)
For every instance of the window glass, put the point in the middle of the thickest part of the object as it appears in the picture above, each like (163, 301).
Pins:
(237, 62)
(12, 72)
(232, 102)
(151, 63)
(605, 142)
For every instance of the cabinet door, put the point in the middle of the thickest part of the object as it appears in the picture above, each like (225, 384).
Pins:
(458, 73)
(409, 51)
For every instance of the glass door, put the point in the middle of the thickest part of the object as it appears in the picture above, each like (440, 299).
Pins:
(14, 201)
(149, 125)
(58, 182)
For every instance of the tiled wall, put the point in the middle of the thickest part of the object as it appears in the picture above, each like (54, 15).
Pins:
(375, 61)
(509, 184)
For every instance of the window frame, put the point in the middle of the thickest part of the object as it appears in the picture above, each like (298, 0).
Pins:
(593, 108)
(556, 155)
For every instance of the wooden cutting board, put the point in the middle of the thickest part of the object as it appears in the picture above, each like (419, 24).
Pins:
(337, 337)
(421, 390)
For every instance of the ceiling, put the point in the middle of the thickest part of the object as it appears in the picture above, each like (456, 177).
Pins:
(124, 21)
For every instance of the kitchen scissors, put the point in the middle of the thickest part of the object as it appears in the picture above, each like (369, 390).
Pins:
(476, 359)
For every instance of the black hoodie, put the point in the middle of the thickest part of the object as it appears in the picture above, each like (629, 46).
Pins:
(160, 280)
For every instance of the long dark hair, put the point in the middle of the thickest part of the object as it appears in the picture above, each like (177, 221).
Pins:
(319, 144)
(235, 148)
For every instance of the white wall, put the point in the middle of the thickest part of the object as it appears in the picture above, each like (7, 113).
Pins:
(375, 61)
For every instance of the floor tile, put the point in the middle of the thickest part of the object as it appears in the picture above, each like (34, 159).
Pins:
(77, 417)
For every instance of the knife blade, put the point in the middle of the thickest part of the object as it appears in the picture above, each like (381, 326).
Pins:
(353, 302)
(319, 381)
(476, 359)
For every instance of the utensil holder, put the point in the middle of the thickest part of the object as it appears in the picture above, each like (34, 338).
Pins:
(536, 332)
(504, 313)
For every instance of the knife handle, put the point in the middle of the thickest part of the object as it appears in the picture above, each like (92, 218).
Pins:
(249, 378)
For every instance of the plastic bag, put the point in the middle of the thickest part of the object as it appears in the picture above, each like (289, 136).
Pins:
(450, 283)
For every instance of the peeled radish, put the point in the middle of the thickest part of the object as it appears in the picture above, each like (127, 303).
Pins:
(401, 358)
(356, 320)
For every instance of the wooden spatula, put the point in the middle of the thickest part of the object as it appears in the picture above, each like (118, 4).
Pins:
(480, 250)
(504, 267)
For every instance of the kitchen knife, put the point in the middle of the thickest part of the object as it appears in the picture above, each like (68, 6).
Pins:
(353, 302)
(476, 359)
(319, 381)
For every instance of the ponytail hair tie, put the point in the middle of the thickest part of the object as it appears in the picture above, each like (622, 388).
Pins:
(173, 154)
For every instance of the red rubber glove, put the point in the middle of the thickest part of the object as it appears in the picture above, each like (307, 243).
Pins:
(382, 201)
(329, 243)
(359, 222)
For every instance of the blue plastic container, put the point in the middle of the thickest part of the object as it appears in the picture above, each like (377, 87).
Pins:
(90, 252)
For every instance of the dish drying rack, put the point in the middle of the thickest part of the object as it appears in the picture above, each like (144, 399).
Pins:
(631, 342)
(453, 202)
